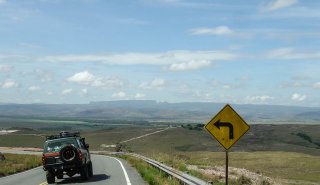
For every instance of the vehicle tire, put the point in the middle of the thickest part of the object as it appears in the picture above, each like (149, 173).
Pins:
(68, 154)
(90, 170)
(84, 172)
(50, 177)
(60, 175)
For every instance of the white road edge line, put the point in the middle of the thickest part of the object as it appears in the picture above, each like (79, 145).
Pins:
(124, 171)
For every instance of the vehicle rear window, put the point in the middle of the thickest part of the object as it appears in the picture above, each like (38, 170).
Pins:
(56, 144)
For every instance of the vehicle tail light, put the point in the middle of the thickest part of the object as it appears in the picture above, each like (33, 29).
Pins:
(80, 155)
(43, 159)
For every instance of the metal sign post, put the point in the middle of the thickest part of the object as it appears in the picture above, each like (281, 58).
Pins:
(227, 127)
(227, 165)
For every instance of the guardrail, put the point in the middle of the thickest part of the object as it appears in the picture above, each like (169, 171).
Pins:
(183, 177)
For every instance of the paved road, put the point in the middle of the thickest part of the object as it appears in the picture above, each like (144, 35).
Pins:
(106, 170)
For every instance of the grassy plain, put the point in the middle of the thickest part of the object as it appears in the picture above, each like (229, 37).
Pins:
(259, 138)
(287, 153)
(283, 167)
(15, 163)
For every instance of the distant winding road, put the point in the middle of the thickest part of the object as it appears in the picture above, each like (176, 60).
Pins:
(107, 171)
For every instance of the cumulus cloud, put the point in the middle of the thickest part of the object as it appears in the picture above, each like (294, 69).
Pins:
(66, 91)
(157, 83)
(220, 30)
(7, 84)
(34, 88)
(298, 97)
(120, 94)
(82, 78)
(259, 99)
(192, 65)
(279, 4)
(86, 78)
(139, 96)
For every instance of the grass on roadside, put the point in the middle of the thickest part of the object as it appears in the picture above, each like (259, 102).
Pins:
(283, 167)
(150, 174)
(15, 163)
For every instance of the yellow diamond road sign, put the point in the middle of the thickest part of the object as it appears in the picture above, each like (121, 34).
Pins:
(227, 127)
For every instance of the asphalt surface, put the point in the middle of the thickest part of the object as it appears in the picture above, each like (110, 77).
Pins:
(106, 171)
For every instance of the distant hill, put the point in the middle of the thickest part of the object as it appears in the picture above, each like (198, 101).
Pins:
(150, 110)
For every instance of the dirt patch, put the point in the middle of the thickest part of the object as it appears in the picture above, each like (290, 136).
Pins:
(235, 174)
(3, 132)
(22, 149)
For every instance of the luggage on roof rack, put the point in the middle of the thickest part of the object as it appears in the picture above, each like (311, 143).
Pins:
(63, 134)
(69, 134)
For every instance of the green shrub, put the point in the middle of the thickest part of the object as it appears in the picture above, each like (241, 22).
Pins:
(304, 136)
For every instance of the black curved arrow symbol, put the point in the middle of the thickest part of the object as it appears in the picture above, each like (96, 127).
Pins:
(219, 124)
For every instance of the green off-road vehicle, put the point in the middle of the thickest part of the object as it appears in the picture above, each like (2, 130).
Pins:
(66, 153)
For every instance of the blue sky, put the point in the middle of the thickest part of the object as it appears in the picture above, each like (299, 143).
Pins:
(78, 51)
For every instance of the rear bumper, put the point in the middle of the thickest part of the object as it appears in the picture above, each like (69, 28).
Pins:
(62, 166)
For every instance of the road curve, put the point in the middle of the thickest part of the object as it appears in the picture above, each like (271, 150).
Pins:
(106, 171)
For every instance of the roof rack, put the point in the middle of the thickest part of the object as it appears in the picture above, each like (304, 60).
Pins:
(63, 134)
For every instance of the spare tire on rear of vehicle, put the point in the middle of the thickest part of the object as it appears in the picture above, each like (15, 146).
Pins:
(69, 154)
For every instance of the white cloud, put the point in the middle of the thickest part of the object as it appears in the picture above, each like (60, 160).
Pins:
(316, 85)
(34, 88)
(157, 83)
(86, 78)
(120, 94)
(139, 96)
(298, 97)
(5, 68)
(82, 78)
(192, 65)
(259, 99)
(278, 4)
(288, 53)
(220, 30)
(165, 58)
(66, 91)
(7, 84)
